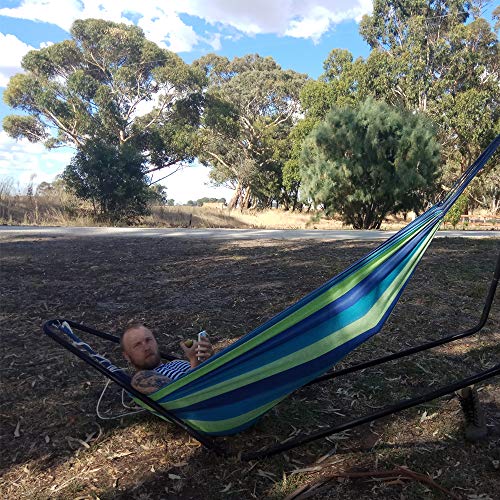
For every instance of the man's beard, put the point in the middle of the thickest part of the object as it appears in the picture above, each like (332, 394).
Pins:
(150, 363)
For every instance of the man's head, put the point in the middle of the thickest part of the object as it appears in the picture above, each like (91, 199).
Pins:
(139, 347)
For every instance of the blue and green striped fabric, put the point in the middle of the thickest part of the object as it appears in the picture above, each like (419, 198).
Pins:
(229, 392)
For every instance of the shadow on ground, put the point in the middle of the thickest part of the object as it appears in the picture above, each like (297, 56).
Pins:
(56, 448)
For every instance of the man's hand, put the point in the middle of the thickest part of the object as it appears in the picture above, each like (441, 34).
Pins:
(202, 350)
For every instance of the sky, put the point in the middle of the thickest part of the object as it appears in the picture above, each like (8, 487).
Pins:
(298, 34)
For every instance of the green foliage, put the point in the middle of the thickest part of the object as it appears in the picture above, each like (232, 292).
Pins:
(485, 192)
(455, 212)
(93, 87)
(88, 92)
(112, 178)
(437, 58)
(291, 168)
(27, 127)
(367, 161)
(158, 194)
(440, 58)
(251, 105)
(248, 118)
(55, 189)
(201, 201)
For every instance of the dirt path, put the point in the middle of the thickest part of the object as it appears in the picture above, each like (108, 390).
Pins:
(225, 234)
(54, 447)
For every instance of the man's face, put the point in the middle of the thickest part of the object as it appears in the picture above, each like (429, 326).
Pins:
(141, 349)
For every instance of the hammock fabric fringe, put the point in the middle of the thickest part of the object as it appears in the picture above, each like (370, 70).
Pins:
(234, 388)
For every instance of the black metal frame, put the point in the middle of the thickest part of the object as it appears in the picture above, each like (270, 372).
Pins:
(50, 329)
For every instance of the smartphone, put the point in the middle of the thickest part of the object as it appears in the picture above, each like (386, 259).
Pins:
(201, 335)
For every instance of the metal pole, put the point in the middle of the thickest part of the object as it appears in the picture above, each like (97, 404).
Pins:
(403, 405)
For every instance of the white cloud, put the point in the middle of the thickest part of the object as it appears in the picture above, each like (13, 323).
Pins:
(313, 26)
(162, 22)
(21, 159)
(297, 18)
(159, 20)
(12, 50)
(59, 12)
(215, 42)
(319, 19)
(167, 29)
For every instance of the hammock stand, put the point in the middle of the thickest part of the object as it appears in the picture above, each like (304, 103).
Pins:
(51, 329)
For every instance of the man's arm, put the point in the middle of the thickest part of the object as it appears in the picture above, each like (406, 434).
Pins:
(149, 381)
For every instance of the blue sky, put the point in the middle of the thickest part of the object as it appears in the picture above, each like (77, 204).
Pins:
(298, 34)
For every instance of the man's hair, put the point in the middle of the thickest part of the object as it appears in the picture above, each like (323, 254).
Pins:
(131, 325)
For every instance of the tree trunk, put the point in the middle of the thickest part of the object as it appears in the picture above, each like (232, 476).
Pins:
(236, 197)
(246, 199)
(495, 205)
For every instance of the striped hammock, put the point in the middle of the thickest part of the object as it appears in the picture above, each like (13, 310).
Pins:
(231, 390)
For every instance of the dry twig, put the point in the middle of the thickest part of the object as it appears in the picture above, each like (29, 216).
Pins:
(310, 489)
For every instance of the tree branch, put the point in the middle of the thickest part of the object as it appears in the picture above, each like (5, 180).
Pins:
(220, 160)
(311, 489)
(60, 126)
(169, 164)
(171, 173)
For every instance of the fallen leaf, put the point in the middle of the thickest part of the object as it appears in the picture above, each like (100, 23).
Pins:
(120, 455)
(306, 469)
(267, 475)
(81, 441)
(227, 488)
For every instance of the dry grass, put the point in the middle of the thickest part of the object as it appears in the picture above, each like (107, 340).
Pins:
(65, 210)
(44, 211)
(218, 217)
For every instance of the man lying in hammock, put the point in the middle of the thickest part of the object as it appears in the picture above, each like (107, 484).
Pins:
(140, 348)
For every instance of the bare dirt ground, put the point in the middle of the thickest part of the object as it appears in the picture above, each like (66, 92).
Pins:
(53, 446)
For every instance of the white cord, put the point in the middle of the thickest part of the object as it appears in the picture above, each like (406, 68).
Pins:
(127, 406)
(114, 417)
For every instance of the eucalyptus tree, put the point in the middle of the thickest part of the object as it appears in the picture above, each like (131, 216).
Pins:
(437, 57)
(108, 82)
(440, 57)
(250, 106)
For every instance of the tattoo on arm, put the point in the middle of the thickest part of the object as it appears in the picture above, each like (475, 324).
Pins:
(149, 381)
